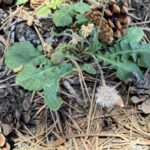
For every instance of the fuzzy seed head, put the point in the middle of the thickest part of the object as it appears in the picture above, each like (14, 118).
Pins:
(107, 96)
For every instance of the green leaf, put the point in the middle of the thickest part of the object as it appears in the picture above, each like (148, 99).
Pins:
(20, 54)
(144, 55)
(50, 92)
(62, 69)
(43, 11)
(46, 9)
(19, 2)
(140, 53)
(46, 78)
(94, 42)
(89, 68)
(62, 17)
(81, 7)
(51, 86)
(133, 34)
(127, 54)
(124, 70)
(32, 78)
(37, 73)
(81, 19)
(53, 4)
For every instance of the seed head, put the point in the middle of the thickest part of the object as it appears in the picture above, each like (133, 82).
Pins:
(75, 39)
(107, 96)
(86, 30)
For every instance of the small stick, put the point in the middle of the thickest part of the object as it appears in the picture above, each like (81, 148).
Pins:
(73, 92)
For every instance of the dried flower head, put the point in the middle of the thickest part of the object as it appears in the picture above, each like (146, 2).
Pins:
(75, 39)
(107, 96)
(86, 30)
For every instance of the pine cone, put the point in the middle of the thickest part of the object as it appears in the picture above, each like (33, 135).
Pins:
(113, 23)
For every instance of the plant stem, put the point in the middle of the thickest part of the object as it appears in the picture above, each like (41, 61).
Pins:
(101, 71)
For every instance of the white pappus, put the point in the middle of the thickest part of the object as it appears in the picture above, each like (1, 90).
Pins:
(107, 96)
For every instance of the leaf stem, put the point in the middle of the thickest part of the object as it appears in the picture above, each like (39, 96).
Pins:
(101, 71)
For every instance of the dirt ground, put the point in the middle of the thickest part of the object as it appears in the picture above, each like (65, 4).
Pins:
(28, 124)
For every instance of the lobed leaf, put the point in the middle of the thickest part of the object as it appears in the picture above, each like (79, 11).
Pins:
(54, 3)
(37, 73)
(32, 78)
(51, 86)
(81, 7)
(20, 54)
(89, 68)
(43, 11)
(81, 19)
(127, 55)
(51, 99)
(133, 34)
(62, 17)
(124, 70)
(139, 53)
